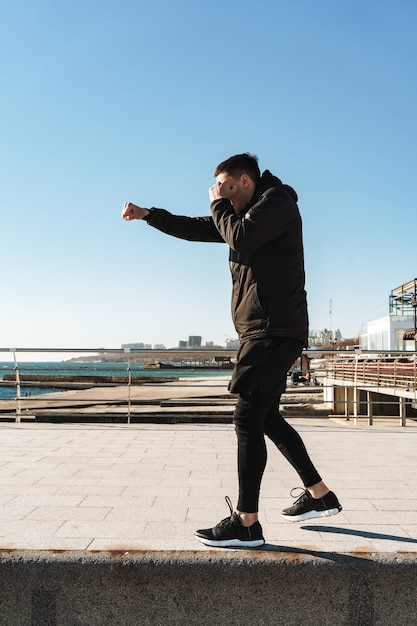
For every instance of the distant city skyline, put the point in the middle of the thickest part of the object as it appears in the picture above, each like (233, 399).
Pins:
(317, 337)
(228, 343)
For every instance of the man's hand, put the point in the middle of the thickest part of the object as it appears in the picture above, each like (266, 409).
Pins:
(222, 190)
(132, 212)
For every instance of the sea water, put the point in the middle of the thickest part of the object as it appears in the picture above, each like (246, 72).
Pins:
(87, 368)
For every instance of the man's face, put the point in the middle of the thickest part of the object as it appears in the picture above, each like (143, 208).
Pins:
(224, 178)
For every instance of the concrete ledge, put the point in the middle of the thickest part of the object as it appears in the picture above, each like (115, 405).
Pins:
(207, 588)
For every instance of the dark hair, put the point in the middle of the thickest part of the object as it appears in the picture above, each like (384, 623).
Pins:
(240, 164)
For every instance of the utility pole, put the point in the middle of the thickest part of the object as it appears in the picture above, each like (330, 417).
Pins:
(330, 324)
(414, 305)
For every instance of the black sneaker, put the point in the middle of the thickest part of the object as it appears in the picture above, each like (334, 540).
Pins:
(230, 533)
(307, 507)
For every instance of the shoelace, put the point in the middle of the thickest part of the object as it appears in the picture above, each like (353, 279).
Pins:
(229, 504)
(295, 493)
(227, 520)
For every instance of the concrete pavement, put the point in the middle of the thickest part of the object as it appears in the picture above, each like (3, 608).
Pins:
(147, 487)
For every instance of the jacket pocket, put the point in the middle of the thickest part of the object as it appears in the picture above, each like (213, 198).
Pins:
(248, 313)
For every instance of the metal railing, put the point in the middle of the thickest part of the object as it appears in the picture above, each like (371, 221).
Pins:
(353, 381)
(34, 378)
(372, 384)
(376, 372)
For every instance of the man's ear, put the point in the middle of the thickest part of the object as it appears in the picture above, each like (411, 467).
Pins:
(245, 181)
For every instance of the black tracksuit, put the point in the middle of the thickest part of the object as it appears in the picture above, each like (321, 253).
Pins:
(269, 312)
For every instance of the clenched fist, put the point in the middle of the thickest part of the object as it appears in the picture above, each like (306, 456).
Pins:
(131, 211)
(222, 190)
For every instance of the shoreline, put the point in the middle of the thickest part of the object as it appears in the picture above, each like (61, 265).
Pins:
(123, 394)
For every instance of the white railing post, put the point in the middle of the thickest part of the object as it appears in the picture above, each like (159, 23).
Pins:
(355, 392)
(129, 383)
(17, 384)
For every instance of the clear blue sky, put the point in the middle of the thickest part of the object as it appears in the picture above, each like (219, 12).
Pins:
(114, 101)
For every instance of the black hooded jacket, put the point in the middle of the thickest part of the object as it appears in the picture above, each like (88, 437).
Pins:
(266, 257)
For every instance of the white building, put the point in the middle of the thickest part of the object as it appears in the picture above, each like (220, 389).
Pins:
(389, 332)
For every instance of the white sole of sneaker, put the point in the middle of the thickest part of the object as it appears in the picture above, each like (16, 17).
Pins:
(311, 515)
(231, 543)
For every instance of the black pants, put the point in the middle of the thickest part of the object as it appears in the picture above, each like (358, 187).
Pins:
(260, 378)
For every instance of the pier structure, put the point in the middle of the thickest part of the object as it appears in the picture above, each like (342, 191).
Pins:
(372, 384)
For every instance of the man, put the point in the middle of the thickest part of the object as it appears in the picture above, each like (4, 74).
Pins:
(258, 217)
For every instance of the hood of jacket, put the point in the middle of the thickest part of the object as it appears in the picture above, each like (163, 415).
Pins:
(267, 181)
